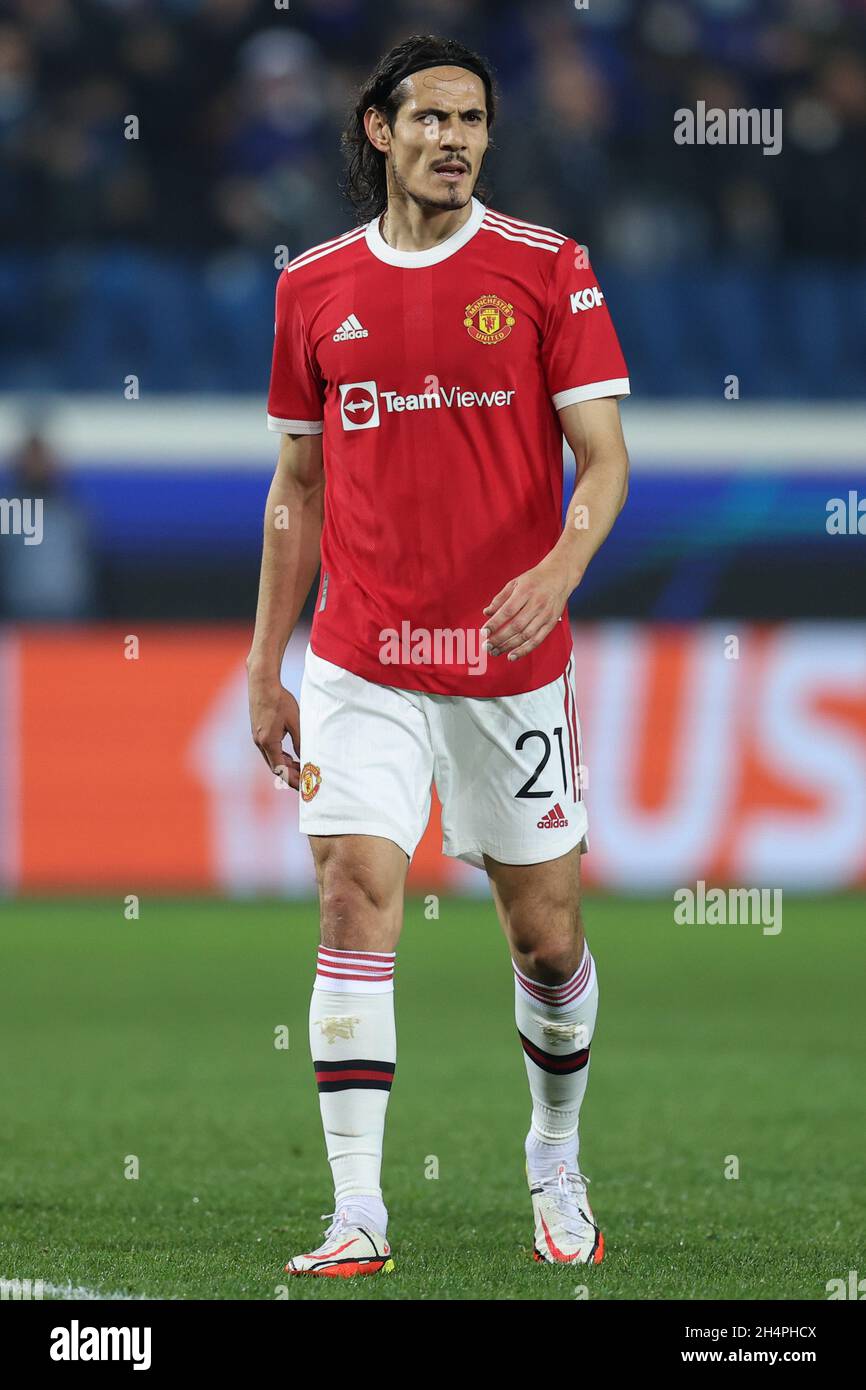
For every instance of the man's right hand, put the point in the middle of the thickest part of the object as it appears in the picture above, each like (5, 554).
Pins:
(273, 714)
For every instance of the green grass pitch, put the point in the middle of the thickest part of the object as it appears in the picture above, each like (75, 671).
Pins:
(155, 1039)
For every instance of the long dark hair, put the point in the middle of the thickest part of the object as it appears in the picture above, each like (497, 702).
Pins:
(364, 182)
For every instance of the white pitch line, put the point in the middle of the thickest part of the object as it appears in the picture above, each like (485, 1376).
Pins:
(81, 1293)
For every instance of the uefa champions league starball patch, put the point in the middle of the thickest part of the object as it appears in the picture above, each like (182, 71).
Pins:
(311, 780)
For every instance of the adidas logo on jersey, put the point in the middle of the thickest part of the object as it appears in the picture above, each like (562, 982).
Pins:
(350, 328)
(554, 820)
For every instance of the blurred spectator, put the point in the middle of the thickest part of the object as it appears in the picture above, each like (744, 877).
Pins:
(46, 570)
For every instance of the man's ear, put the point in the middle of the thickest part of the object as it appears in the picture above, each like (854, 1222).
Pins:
(375, 126)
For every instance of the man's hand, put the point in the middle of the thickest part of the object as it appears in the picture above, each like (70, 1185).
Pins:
(523, 613)
(273, 714)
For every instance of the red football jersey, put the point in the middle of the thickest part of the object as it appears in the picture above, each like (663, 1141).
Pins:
(436, 376)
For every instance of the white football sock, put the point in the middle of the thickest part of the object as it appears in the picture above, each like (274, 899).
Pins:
(556, 1024)
(367, 1212)
(353, 1044)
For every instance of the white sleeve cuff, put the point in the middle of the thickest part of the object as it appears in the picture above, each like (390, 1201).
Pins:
(295, 426)
(618, 387)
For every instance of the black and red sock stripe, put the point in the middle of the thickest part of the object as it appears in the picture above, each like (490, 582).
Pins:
(354, 1073)
(558, 1063)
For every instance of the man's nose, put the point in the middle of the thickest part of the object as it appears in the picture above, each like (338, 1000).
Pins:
(451, 136)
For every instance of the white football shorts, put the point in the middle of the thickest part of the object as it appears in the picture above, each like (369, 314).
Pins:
(507, 769)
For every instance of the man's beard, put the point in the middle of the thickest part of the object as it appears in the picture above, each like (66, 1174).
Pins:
(452, 198)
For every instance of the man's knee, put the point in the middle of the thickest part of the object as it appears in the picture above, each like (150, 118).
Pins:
(360, 894)
(547, 939)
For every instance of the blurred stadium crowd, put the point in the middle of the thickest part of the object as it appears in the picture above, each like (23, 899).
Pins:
(158, 252)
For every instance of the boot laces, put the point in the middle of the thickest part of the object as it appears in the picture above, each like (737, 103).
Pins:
(337, 1219)
(568, 1189)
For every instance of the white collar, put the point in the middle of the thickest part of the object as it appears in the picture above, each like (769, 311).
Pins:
(412, 260)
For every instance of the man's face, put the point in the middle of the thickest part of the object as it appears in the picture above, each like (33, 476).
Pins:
(440, 137)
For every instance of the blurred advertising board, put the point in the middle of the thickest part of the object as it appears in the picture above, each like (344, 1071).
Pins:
(729, 754)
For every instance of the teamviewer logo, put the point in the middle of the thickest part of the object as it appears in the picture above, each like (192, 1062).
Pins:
(359, 405)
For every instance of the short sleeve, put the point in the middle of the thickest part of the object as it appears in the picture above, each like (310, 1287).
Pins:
(581, 353)
(295, 399)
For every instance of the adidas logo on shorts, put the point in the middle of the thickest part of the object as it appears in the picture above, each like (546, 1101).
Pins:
(554, 820)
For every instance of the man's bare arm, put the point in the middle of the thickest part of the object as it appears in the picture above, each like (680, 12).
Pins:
(522, 614)
(290, 558)
(594, 432)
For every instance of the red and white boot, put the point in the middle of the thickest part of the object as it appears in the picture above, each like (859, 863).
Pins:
(565, 1231)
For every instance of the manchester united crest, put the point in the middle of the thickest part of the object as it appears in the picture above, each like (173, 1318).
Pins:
(311, 780)
(489, 319)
